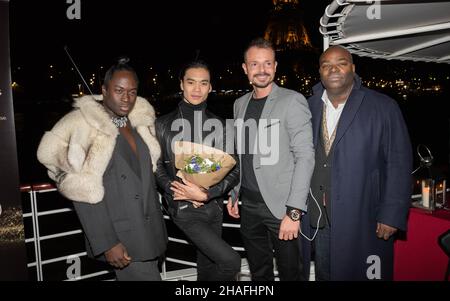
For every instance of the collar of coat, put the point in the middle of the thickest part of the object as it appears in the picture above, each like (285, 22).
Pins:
(273, 93)
(91, 107)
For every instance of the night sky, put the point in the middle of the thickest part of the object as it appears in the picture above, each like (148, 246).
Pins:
(164, 32)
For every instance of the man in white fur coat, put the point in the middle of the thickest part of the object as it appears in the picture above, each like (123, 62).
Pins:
(102, 156)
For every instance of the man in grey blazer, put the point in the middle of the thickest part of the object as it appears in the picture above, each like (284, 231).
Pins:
(274, 143)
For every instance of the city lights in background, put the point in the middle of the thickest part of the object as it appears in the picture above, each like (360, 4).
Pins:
(231, 81)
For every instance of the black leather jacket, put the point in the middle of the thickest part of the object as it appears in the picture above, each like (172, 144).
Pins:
(166, 170)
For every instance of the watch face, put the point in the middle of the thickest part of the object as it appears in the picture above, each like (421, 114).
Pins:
(294, 215)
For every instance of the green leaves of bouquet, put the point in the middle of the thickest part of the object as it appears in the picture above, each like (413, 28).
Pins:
(199, 165)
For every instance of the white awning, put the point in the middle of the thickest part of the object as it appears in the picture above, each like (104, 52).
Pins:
(417, 30)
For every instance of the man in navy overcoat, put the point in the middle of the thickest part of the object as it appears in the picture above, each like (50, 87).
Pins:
(362, 179)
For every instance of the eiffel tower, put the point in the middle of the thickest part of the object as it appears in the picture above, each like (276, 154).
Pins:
(285, 29)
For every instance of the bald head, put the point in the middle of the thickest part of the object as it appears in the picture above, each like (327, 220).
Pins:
(336, 49)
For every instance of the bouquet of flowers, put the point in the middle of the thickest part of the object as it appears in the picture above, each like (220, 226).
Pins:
(202, 165)
(198, 165)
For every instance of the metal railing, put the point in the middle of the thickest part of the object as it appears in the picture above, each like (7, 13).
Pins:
(34, 239)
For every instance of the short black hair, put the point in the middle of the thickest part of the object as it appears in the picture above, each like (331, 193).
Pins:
(122, 64)
(350, 57)
(259, 43)
(192, 65)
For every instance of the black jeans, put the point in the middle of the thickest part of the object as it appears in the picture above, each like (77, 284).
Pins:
(259, 229)
(216, 259)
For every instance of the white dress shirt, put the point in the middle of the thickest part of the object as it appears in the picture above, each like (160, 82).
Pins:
(333, 114)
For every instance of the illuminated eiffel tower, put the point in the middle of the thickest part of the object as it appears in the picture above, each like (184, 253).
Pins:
(285, 29)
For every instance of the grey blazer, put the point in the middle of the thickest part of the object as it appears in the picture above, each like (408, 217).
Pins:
(130, 212)
(284, 171)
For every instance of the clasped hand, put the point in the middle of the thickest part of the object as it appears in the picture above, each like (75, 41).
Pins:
(188, 191)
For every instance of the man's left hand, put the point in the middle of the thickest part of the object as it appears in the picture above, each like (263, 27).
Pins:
(385, 231)
(288, 229)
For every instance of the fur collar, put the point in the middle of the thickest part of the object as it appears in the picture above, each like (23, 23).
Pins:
(91, 108)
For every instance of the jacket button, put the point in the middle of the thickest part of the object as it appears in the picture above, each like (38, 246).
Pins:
(124, 177)
(325, 165)
(136, 197)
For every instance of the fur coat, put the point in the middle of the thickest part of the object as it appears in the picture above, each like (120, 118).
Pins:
(78, 149)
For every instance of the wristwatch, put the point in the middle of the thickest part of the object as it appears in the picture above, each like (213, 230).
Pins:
(294, 214)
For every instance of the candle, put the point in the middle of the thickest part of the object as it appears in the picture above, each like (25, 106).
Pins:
(426, 193)
(444, 194)
(426, 196)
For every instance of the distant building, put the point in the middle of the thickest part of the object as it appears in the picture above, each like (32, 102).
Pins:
(297, 57)
(286, 29)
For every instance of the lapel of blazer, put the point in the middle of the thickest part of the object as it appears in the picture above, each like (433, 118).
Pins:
(240, 114)
(121, 155)
(136, 182)
(243, 107)
(270, 102)
(268, 106)
(348, 114)
(146, 168)
(272, 98)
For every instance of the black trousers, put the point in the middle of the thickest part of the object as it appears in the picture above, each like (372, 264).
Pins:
(322, 253)
(259, 229)
(139, 271)
(216, 259)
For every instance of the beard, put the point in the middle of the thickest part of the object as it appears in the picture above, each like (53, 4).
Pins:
(261, 85)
